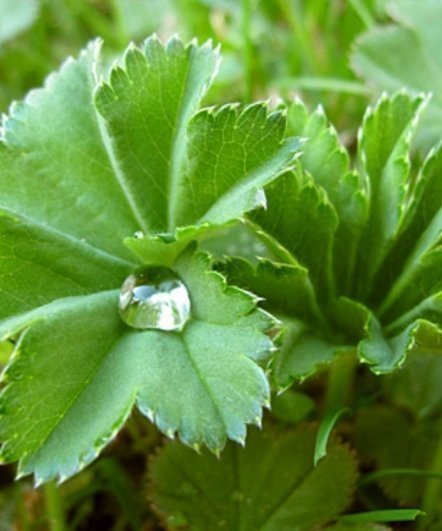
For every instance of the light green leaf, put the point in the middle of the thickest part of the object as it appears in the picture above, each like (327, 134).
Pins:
(71, 191)
(293, 199)
(54, 167)
(286, 289)
(387, 515)
(269, 485)
(147, 106)
(70, 388)
(328, 162)
(79, 370)
(16, 16)
(406, 55)
(302, 352)
(39, 265)
(232, 153)
(420, 236)
(209, 167)
(383, 160)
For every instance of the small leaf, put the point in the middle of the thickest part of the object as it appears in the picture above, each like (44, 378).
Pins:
(269, 485)
(417, 385)
(328, 162)
(383, 161)
(291, 407)
(324, 432)
(292, 199)
(301, 354)
(388, 515)
(285, 289)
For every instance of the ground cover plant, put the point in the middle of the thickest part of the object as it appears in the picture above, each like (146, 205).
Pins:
(216, 316)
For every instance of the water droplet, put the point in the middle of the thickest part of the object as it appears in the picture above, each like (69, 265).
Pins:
(139, 235)
(154, 297)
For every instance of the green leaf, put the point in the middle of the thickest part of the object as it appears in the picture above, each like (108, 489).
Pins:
(357, 526)
(406, 54)
(16, 16)
(387, 515)
(328, 162)
(384, 164)
(302, 352)
(98, 368)
(209, 168)
(391, 439)
(415, 255)
(416, 386)
(385, 354)
(232, 153)
(291, 407)
(39, 265)
(54, 166)
(292, 199)
(286, 290)
(324, 432)
(72, 189)
(147, 106)
(269, 485)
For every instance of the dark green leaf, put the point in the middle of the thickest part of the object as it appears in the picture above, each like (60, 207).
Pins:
(269, 485)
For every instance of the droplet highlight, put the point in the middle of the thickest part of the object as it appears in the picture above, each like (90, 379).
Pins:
(154, 297)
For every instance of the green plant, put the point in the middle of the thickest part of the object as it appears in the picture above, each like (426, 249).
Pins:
(100, 174)
(406, 54)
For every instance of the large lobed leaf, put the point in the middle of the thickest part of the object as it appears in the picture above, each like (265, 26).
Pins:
(74, 185)
(270, 485)
(363, 242)
(79, 371)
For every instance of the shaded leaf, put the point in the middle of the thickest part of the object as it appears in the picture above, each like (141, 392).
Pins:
(388, 437)
(269, 485)
(292, 199)
(383, 162)
(301, 354)
(286, 289)
(291, 407)
(387, 515)
(328, 162)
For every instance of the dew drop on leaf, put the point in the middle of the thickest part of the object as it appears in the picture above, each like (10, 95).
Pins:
(154, 297)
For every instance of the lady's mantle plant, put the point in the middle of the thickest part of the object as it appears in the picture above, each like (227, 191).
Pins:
(98, 178)
(84, 166)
